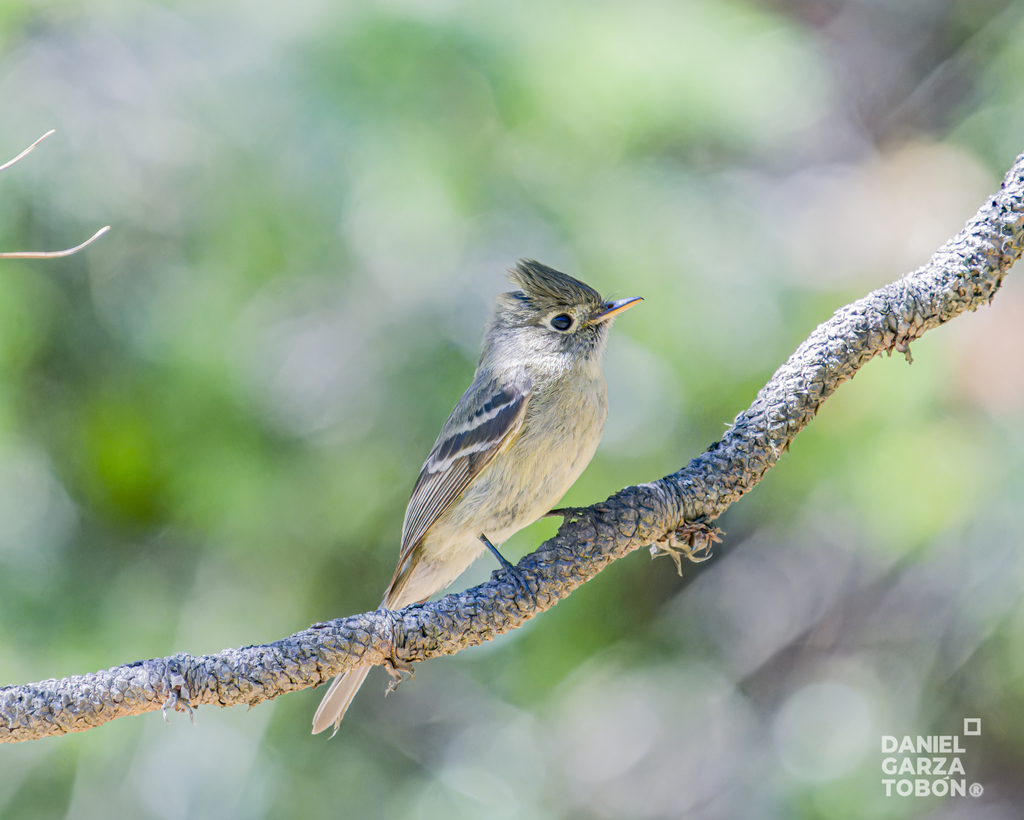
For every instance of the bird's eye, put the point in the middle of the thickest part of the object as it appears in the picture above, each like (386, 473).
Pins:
(563, 321)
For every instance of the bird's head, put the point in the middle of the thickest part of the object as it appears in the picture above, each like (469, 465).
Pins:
(553, 316)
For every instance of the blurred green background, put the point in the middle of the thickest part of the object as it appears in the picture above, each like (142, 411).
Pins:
(211, 421)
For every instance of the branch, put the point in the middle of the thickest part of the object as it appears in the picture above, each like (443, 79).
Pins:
(27, 151)
(673, 513)
(45, 254)
(54, 254)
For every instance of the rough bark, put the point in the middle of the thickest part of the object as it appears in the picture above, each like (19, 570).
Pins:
(674, 513)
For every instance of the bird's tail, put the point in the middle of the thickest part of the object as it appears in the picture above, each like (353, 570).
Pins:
(336, 701)
(344, 687)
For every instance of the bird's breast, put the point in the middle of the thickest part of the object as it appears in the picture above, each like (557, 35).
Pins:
(559, 436)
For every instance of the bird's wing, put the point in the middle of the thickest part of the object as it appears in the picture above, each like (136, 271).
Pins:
(485, 421)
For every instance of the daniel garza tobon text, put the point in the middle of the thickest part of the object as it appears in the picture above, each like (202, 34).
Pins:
(935, 762)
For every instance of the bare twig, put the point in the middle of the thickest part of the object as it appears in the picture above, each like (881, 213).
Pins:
(962, 275)
(55, 254)
(46, 254)
(27, 151)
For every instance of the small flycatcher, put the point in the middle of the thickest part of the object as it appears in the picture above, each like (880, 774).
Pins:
(516, 441)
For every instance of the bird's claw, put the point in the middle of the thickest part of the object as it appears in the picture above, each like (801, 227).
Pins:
(398, 670)
(566, 513)
(515, 574)
(179, 696)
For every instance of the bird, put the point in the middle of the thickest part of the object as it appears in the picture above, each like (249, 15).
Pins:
(519, 437)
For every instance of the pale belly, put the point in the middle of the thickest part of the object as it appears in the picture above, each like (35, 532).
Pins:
(513, 491)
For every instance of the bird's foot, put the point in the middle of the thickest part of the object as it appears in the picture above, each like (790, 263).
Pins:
(566, 513)
(507, 568)
(179, 694)
(398, 670)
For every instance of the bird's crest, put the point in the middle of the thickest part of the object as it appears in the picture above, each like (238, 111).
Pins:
(542, 284)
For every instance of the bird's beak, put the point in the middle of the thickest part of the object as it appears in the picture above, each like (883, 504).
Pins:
(615, 308)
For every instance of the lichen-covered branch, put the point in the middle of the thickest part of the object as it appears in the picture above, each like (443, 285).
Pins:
(674, 514)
